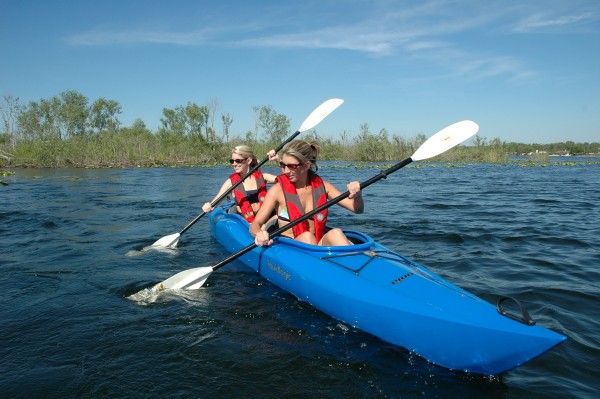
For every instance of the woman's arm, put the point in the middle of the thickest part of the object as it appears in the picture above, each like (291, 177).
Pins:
(207, 207)
(269, 178)
(354, 202)
(273, 156)
(271, 202)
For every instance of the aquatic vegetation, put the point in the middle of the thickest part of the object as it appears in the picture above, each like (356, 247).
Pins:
(455, 165)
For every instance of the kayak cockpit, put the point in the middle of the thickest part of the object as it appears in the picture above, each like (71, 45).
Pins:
(359, 240)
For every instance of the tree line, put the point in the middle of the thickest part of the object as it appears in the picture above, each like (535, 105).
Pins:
(70, 130)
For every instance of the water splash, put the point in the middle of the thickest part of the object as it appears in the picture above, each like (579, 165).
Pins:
(146, 296)
(166, 250)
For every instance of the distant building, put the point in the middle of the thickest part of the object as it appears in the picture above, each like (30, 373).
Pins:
(537, 152)
(563, 153)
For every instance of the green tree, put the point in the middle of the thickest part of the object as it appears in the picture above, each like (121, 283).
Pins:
(402, 147)
(282, 127)
(479, 141)
(227, 121)
(10, 110)
(195, 119)
(212, 108)
(275, 125)
(137, 129)
(185, 121)
(40, 120)
(103, 115)
(73, 114)
(370, 147)
(173, 122)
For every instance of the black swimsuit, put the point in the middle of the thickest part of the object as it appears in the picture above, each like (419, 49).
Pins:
(252, 196)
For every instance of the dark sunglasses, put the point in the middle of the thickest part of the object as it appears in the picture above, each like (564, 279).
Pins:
(290, 166)
(238, 161)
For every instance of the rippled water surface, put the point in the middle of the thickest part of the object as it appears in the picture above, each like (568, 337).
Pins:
(71, 251)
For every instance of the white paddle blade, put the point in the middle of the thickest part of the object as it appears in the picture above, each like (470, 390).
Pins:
(169, 241)
(320, 113)
(190, 279)
(445, 139)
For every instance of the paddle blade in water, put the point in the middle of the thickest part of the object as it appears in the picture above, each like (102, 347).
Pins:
(169, 241)
(445, 139)
(190, 279)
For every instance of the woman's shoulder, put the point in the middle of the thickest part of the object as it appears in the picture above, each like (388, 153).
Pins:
(330, 188)
(327, 183)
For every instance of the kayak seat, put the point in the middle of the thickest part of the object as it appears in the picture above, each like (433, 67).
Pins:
(355, 240)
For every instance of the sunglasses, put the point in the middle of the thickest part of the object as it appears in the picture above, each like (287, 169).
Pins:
(290, 166)
(238, 161)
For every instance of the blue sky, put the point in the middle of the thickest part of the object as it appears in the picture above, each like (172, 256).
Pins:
(525, 71)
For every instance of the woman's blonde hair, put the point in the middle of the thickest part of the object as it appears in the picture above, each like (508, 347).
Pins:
(303, 151)
(246, 152)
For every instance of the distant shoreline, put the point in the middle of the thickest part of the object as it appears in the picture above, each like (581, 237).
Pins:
(568, 161)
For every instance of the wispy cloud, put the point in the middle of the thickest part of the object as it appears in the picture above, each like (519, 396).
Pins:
(355, 38)
(480, 68)
(539, 21)
(421, 45)
(133, 37)
(341, 38)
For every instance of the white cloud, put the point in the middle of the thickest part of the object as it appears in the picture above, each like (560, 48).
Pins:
(497, 66)
(425, 45)
(539, 21)
(128, 37)
(342, 39)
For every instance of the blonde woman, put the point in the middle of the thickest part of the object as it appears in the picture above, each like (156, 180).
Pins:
(299, 191)
(251, 193)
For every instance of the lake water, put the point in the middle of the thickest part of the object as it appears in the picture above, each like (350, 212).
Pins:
(71, 245)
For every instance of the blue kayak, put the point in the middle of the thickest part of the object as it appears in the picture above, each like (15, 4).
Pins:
(378, 291)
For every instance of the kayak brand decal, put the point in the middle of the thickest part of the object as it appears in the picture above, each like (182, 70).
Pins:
(279, 270)
(399, 279)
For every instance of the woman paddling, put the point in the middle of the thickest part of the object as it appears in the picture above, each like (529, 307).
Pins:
(251, 193)
(299, 191)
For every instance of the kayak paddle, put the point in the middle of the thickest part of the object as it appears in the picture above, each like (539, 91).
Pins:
(439, 143)
(313, 120)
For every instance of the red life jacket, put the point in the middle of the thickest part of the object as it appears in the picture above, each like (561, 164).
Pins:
(294, 206)
(242, 198)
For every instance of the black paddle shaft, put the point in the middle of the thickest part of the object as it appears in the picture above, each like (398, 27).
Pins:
(367, 183)
(234, 186)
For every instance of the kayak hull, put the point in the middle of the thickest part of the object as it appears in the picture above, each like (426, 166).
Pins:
(391, 297)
